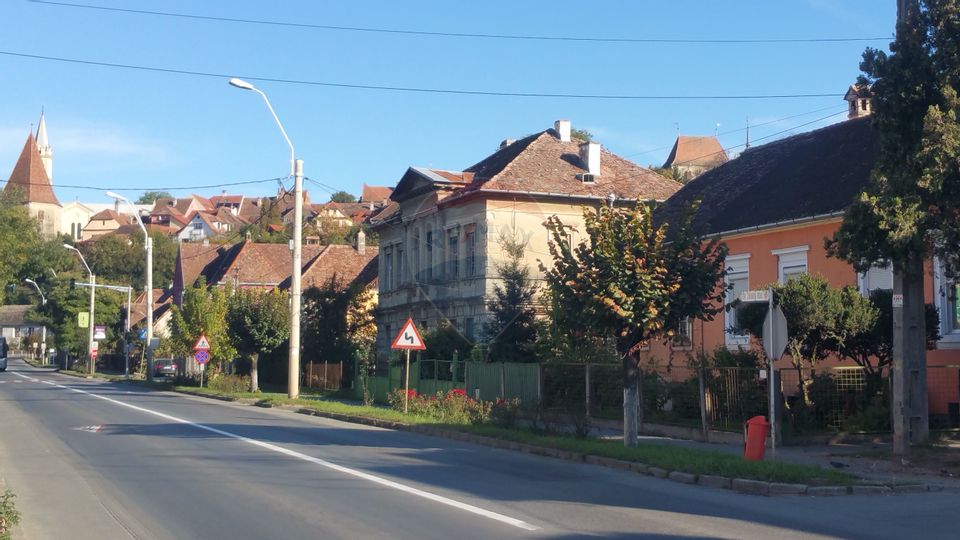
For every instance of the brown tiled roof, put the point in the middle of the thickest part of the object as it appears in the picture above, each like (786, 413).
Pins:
(542, 163)
(696, 152)
(194, 260)
(342, 264)
(29, 176)
(226, 200)
(14, 315)
(377, 194)
(258, 264)
(107, 215)
(806, 175)
(161, 303)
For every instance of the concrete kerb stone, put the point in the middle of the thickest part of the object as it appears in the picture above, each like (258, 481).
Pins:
(751, 487)
(682, 477)
(826, 491)
(742, 485)
(777, 488)
(715, 481)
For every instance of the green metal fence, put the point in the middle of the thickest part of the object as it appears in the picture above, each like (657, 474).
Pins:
(486, 381)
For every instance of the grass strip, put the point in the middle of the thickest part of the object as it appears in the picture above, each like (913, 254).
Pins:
(670, 457)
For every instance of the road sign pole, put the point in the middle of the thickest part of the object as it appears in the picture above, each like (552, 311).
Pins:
(770, 383)
(406, 383)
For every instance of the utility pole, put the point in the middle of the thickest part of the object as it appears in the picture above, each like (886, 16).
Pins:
(909, 410)
(93, 297)
(293, 385)
(148, 291)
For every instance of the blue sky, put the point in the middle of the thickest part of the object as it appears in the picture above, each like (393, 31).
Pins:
(127, 129)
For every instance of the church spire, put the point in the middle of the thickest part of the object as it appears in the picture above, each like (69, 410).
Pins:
(43, 145)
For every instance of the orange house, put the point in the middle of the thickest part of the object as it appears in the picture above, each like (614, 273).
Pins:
(774, 206)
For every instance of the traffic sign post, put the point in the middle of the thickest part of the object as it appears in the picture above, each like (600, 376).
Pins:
(202, 344)
(408, 339)
(774, 343)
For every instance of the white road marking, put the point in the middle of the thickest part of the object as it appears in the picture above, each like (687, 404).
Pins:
(322, 462)
(90, 429)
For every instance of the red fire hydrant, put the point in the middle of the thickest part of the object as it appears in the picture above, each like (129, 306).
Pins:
(756, 430)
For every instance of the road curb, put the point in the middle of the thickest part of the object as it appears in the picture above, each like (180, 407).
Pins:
(740, 485)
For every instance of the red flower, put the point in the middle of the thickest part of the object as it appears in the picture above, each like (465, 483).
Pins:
(458, 392)
(411, 393)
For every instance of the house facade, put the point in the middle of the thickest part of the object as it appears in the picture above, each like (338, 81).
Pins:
(774, 207)
(440, 238)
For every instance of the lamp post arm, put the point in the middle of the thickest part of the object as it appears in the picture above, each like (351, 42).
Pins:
(282, 131)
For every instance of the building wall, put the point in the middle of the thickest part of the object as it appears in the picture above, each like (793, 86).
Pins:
(49, 217)
(423, 287)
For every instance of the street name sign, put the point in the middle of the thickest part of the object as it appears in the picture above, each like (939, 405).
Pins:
(750, 297)
(409, 338)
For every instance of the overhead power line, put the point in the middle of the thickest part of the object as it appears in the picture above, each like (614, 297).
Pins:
(166, 188)
(738, 130)
(416, 89)
(524, 37)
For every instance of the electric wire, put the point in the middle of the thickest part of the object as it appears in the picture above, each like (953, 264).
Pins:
(426, 90)
(401, 31)
(166, 188)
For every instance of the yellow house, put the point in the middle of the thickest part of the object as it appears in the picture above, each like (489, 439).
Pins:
(440, 234)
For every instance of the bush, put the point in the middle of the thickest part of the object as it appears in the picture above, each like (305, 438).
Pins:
(453, 407)
(230, 384)
(504, 412)
(8, 514)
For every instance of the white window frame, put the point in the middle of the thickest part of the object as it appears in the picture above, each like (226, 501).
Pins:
(863, 279)
(737, 266)
(791, 257)
(950, 336)
(677, 343)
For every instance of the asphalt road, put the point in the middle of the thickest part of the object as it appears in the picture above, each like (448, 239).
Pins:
(89, 459)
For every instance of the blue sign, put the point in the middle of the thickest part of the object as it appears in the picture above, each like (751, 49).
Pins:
(143, 333)
(202, 357)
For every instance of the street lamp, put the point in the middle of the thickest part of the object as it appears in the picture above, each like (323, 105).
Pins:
(296, 169)
(43, 334)
(93, 292)
(148, 287)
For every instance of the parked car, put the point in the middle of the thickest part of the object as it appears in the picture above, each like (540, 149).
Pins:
(3, 353)
(163, 368)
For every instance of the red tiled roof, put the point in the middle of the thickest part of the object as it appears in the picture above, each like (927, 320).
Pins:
(340, 264)
(697, 152)
(377, 194)
(29, 176)
(542, 163)
(107, 215)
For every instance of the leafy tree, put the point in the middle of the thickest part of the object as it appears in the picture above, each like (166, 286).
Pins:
(258, 322)
(627, 282)
(342, 197)
(19, 237)
(63, 305)
(581, 134)
(445, 341)
(512, 329)
(338, 321)
(122, 258)
(150, 197)
(909, 211)
(204, 311)
(872, 348)
(268, 227)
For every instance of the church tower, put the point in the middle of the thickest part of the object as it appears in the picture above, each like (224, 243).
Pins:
(43, 145)
(31, 183)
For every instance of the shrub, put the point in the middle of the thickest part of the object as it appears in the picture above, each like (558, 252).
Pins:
(8, 514)
(504, 412)
(230, 384)
(453, 407)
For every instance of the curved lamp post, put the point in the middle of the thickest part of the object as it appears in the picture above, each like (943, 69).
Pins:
(93, 292)
(43, 332)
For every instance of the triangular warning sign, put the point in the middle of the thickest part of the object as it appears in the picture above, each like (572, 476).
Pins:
(203, 344)
(409, 338)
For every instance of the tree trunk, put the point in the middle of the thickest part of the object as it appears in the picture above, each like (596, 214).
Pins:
(254, 383)
(631, 400)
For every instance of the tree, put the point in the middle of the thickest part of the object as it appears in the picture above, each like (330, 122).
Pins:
(626, 281)
(338, 321)
(342, 197)
(19, 238)
(258, 323)
(203, 311)
(910, 210)
(150, 197)
(63, 305)
(581, 134)
(269, 226)
(512, 329)
(445, 341)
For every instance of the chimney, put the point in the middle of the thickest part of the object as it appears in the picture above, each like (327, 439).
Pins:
(116, 205)
(590, 156)
(361, 243)
(506, 142)
(563, 129)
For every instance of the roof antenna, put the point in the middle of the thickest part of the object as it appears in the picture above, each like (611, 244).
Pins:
(747, 146)
(716, 130)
